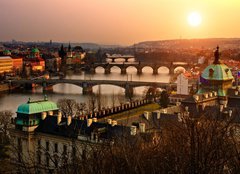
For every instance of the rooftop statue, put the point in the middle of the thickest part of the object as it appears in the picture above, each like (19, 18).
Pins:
(216, 56)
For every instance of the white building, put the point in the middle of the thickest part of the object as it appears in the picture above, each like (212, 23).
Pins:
(182, 84)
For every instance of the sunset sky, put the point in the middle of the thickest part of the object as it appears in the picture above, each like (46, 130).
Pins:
(116, 21)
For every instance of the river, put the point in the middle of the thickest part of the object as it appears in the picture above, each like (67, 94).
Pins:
(10, 101)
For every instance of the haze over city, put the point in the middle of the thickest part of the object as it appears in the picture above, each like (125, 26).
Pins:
(119, 86)
(121, 22)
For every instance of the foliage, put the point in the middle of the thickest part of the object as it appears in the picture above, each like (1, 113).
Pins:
(164, 99)
(69, 107)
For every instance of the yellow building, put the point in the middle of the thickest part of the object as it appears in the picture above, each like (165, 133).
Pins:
(6, 64)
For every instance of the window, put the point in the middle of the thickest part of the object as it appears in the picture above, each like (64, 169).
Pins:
(19, 142)
(56, 162)
(39, 144)
(73, 153)
(56, 147)
(64, 149)
(47, 146)
(39, 157)
(47, 160)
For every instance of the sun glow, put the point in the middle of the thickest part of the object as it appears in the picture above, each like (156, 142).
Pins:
(194, 19)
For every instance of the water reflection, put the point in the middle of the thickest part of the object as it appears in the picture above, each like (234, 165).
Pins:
(12, 100)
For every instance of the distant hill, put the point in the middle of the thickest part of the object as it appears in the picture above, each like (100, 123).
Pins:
(224, 43)
(94, 46)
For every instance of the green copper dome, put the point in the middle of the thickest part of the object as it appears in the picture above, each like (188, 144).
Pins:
(217, 72)
(37, 107)
(6, 52)
(35, 50)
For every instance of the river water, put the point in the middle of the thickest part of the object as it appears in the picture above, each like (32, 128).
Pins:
(10, 101)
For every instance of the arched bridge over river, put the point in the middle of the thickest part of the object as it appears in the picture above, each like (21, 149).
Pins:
(87, 85)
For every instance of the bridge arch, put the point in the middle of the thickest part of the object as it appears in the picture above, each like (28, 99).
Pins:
(108, 89)
(99, 69)
(115, 69)
(147, 69)
(131, 69)
(179, 69)
(70, 88)
(163, 70)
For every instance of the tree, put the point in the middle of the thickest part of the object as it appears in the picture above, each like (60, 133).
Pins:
(69, 107)
(164, 99)
(5, 121)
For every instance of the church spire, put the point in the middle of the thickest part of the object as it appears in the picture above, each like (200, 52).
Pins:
(69, 47)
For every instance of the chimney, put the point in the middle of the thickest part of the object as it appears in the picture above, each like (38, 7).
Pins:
(69, 120)
(114, 122)
(109, 121)
(94, 119)
(89, 122)
(59, 117)
(142, 127)
(50, 113)
(44, 115)
(158, 114)
(236, 92)
(133, 130)
(230, 113)
(146, 114)
(179, 117)
(221, 108)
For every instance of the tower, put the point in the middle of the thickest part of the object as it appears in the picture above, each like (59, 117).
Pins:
(216, 77)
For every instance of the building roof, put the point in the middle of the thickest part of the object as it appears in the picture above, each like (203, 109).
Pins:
(35, 50)
(6, 52)
(79, 127)
(32, 107)
(5, 57)
(218, 72)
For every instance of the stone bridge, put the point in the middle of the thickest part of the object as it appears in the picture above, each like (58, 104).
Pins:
(120, 57)
(139, 66)
(87, 85)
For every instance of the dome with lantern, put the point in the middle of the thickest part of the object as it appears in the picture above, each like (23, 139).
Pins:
(216, 77)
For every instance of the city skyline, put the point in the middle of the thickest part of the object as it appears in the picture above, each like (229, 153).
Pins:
(118, 22)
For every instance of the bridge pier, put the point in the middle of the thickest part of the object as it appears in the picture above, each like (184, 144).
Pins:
(123, 71)
(171, 70)
(107, 70)
(139, 71)
(155, 71)
(92, 70)
(28, 86)
(87, 89)
(129, 91)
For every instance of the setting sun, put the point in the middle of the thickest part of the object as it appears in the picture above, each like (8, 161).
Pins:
(194, 19)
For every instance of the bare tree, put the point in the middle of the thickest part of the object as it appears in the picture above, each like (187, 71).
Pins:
(70, 107)
(5, 121)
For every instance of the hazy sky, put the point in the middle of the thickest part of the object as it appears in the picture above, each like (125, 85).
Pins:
(116, 21)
